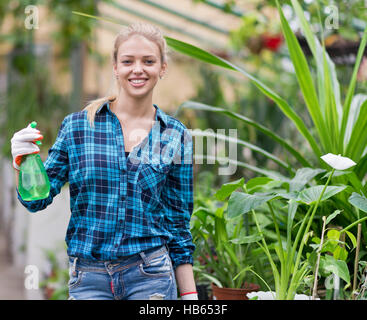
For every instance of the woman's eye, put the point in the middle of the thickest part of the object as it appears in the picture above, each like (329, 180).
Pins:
(126, 61)
(149, 61)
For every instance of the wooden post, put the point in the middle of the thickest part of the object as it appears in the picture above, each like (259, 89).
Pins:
(356, 260)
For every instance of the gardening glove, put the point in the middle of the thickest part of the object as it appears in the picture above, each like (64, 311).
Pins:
(190, 296)
(23, 143)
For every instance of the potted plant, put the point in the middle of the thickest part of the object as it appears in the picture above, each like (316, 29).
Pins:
(297, 196)
(226, 251)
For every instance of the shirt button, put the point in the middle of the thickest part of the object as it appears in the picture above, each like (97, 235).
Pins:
(120, 221)
(116, 245)
(123, 198)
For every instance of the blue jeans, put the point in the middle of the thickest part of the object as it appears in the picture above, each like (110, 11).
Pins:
(148, 275)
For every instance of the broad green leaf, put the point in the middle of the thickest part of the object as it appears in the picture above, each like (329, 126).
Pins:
(311, 195)
(358, 201)
(302, 177)
(202, 213)
(333, 234)
(337, 267)
(241, 203)
(256, 183)
(340, 253)
(271, 185)
(332, 216)
(227, 188)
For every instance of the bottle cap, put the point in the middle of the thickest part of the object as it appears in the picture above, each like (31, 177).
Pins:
(34, 125)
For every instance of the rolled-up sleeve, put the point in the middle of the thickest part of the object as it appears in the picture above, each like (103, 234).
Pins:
(57, 168)
(177, 196)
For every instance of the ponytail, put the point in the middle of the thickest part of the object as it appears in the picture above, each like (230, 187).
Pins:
(94, 105)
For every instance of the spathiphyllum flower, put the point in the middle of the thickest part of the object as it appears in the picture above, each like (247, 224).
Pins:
(337, 161)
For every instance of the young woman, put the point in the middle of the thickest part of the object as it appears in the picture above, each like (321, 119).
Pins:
(129, 168)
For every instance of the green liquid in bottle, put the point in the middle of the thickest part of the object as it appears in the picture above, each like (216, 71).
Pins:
(33, 178)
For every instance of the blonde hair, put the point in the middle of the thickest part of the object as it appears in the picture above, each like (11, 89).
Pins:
(146, 30)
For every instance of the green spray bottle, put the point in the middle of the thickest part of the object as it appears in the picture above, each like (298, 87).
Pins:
(33, 178)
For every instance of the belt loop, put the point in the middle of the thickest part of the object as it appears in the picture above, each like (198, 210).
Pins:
(74, 267)
(144, 257)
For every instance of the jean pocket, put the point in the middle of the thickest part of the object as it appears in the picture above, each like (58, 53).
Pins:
(75, 278)
(160, 266)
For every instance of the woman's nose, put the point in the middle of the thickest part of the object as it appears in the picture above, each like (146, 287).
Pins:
(137, 68)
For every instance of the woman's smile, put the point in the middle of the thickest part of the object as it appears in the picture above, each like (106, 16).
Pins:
(138, 82)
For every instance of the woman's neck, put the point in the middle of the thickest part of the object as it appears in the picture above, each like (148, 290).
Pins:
(129, 108)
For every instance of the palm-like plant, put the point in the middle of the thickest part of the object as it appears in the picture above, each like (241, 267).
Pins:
(337, 127)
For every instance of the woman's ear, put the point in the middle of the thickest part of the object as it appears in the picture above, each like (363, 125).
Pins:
(163, 71)
(114, 69)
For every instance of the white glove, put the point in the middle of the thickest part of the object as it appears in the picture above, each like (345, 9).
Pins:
(23, 142)
(190, 296)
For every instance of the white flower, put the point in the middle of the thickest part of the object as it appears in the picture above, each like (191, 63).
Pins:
(337, 161)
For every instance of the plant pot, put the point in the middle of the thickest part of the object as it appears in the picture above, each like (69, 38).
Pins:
(233, 293)
(269, 295)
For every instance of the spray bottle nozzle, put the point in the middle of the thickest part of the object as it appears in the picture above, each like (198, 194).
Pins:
(34, 125)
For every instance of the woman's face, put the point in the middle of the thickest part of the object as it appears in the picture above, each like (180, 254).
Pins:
(138, 66)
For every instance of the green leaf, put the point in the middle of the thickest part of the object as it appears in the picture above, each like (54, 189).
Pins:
(247, 239)
(332, 216)
(354, 111)
(302, 177)
(352, 238)
(352, 86)
(333, 234)
(337, 267)
(197, 53)
(358, 201)
(340, 253)
(358, 140)
(292, 209)
(241, 203)
(227, 189)
(257, 183)
(304, 77)
(311, 195)
(212, 279)
(202, 213)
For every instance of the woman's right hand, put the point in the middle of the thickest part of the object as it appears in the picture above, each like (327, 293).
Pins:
(23, 143)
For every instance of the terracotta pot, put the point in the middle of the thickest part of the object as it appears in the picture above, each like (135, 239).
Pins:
(233, 294)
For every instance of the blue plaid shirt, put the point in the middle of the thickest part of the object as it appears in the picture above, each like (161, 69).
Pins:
(121, 206)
